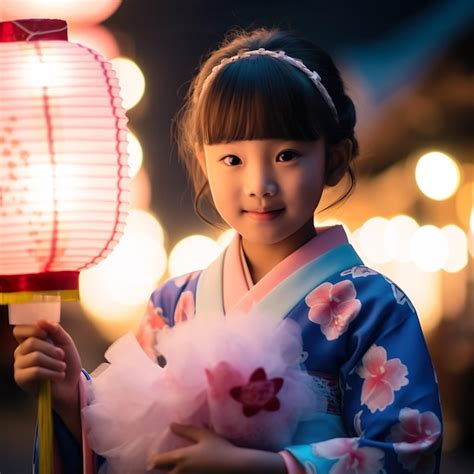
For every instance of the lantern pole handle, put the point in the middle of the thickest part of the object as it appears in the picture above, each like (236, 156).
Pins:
(47, 307)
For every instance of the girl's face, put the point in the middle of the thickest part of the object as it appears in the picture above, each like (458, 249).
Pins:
(267, 190)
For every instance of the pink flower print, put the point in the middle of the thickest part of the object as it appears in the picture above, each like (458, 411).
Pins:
(352, 459)
(258, 394)
(152, 321)
(155, 317)
(415, 439)
(221, 379)
(382, 378)
(184, 308)
(333, 307)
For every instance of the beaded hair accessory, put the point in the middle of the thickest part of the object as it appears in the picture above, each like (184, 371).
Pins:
(281, 55)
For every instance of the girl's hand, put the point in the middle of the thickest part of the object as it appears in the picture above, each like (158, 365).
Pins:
(47, 352)
(212, 454)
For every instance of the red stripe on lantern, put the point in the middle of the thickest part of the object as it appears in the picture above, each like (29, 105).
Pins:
(49, 132)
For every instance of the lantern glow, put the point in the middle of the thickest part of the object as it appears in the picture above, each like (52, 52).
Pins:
(63, 143)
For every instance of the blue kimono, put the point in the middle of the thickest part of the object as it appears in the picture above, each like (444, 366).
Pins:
(362, 344)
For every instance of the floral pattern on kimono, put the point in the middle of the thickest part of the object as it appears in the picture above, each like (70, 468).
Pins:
(379, 349)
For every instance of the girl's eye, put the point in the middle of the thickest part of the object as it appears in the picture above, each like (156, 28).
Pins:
(287, 155)
(232, 160)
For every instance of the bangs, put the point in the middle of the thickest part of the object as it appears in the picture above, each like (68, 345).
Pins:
(261, 98)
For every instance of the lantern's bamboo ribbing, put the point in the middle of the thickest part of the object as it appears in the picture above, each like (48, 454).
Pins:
(45, 428)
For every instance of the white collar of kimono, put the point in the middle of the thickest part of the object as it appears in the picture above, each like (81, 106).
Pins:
(223, 286)
(237, 278)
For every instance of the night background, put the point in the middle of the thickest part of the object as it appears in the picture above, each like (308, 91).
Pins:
(408, 67)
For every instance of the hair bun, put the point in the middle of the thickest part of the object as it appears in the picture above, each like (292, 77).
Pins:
(347, 113)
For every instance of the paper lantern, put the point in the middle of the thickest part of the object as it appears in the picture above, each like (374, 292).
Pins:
(63, 166)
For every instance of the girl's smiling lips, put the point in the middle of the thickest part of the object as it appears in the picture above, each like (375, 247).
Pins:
(264, 214)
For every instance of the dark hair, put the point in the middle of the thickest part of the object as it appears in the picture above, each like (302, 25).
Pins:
(261, 98)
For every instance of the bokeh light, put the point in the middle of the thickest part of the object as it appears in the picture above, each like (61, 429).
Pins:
(398, 233)
(143, 223)
(192, 253)
(331, 222)
(429, 248)
(131, 80)
(73, 11)
(464, 201)
(372, 240)
(457, 244)
(140, 190)
(471, 234)
(422, 288)
(226, 237)
(437, 175)
(135, 154)
(116, 290)
(98, 38)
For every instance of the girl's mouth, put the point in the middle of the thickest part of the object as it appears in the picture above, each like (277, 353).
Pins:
(264, 215)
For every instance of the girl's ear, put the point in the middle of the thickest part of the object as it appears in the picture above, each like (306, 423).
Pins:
(338, 161)
(201, 158)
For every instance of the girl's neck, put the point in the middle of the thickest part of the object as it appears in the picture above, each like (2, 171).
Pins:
(262, 258)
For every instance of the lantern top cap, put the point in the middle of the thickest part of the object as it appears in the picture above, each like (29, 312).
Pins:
(33, 29)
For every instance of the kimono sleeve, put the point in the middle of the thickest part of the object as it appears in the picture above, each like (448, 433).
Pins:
(172, 303)
(152, 321)
(390, 400)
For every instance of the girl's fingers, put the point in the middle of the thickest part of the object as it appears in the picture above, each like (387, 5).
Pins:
(167, 460)
(37, 374)
(23, 332)
(41, 360)
(56, 333)
(33, 344)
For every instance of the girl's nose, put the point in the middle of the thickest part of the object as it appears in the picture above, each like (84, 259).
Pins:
(260, 184)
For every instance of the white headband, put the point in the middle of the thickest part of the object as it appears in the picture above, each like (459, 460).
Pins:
(313, 75)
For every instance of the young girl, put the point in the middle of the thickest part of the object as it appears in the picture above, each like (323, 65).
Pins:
(266, 126)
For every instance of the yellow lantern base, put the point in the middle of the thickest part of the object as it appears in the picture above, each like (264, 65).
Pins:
(32, 296)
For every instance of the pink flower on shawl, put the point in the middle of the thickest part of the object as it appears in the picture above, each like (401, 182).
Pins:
(333, 307)
(415, 439)
(184, 307)
(153, 321)
(259, 393)
(382, 378)
(352, 459)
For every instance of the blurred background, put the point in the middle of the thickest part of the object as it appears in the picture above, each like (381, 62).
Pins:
(408, 67)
